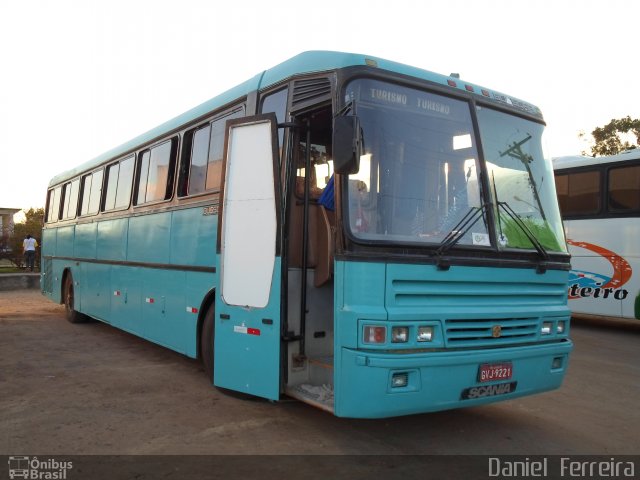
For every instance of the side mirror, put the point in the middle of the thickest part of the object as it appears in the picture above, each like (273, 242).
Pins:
(346, 145)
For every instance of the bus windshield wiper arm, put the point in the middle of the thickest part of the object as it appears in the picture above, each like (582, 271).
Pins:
(515, 151)
(462, 227)
(523, 226)
(541, 268)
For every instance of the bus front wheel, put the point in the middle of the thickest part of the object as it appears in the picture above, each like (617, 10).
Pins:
(73, 316)
(206, 342)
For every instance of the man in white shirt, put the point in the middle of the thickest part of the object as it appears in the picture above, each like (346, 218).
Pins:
(29, 247)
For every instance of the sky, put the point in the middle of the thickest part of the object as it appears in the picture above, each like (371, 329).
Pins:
(79, 77)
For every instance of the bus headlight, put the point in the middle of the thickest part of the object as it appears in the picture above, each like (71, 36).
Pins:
(374, 334)
(425, 334)
(400, 380)
(399, 335)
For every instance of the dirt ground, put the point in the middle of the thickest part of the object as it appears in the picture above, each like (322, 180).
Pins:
(91, 389)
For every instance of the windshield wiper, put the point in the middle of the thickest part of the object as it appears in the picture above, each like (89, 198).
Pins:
(457, 232)
(515, 151)
(541, 268)
(527, 231)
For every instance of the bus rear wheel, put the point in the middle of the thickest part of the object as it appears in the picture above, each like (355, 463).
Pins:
(72, 315)
(206, 342)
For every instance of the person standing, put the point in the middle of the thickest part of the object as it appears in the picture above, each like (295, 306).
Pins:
(29, 248)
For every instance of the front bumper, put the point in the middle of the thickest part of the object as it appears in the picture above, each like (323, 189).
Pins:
(436, 380)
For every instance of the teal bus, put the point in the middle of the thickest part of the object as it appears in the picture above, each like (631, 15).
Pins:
(364, 236)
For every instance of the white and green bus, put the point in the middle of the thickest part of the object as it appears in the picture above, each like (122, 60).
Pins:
(600, 204)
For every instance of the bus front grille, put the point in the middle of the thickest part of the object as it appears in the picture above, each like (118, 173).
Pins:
(490, 332)
(478, 308)
(484, 293)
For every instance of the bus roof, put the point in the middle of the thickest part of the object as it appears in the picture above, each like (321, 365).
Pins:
(560, 163)
(303, 63)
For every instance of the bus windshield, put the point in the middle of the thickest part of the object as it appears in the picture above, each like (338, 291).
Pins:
(418, 174)
(521, 181)
(418, 181)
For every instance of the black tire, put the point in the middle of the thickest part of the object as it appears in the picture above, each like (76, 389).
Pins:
(68, 297)
(206, 342)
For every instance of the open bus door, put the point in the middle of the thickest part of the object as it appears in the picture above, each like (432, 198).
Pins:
(248, 299)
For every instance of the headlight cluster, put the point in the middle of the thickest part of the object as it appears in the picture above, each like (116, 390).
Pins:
(377, 335)
(549, 327)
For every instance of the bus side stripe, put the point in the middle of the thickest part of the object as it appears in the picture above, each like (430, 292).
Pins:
(162, 266)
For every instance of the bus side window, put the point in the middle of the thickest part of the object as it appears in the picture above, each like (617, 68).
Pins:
(90, 193)
(50, 196)
(579, 193)
(85, 193)
(53, 205)
(199, 157)
(70, 196)
(201, 164)
(155, 178)
(624, 189)
(276, 102)
(216, 146)
(119, 182)
(562, 190)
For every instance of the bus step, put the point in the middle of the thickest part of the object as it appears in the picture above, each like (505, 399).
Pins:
(319, 396)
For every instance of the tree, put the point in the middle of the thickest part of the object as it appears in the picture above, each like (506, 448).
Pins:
(610, 139)
(32, 225)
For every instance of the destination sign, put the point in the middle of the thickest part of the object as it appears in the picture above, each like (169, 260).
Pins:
(410, 99)
(418, 101)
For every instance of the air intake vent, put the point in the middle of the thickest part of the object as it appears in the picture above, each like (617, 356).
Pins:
(310, 91)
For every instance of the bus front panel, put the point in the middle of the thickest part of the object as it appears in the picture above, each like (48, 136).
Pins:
(446, 338)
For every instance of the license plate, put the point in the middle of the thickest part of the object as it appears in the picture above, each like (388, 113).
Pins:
(488, 372)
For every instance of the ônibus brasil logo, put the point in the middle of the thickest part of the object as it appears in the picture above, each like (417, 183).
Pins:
(32, 468)
(599, 285)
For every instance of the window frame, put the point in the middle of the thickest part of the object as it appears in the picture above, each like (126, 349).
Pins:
(605, 210)
(65, 203)
(600, 194)
(105, 185)
(619, 211)
(57, 192)
(185, 164)
(171, 172)
(82, 192)
(194, 133)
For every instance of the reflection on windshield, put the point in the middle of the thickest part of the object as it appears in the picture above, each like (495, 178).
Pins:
(418, 175)
(521, 178)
